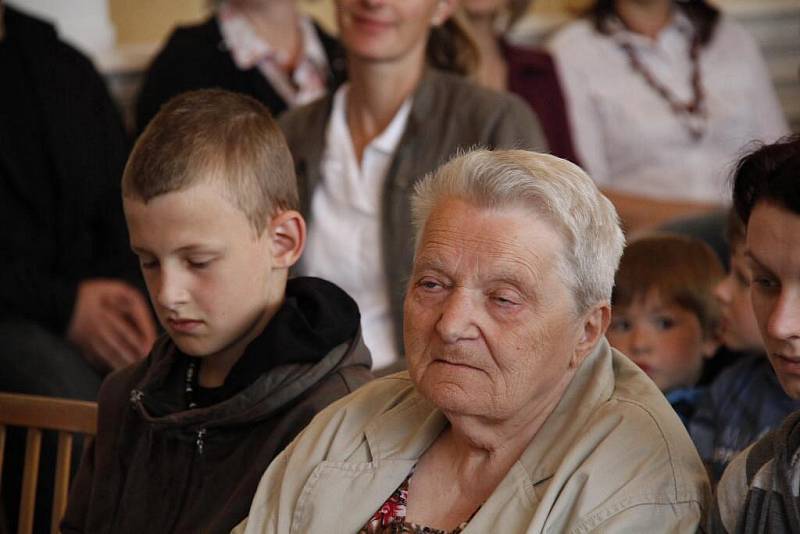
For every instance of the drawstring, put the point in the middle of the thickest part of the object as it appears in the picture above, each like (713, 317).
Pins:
(201, 434)
(136, 396)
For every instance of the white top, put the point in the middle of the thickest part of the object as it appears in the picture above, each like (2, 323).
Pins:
(344, 235)
(626, 135)
(307, 81)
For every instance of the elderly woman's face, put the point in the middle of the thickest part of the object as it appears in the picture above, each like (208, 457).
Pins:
(490, 327)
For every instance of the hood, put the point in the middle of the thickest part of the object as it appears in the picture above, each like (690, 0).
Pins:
(318, 328)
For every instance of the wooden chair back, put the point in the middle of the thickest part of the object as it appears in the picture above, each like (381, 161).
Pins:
(67, 417)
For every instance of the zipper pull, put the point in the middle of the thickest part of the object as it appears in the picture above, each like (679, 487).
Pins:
(136, 396)
(201, 434)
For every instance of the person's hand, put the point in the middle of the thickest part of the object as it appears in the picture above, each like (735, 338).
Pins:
(111, 324)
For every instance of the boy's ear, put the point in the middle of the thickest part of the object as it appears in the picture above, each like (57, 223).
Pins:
(594, 325)
(287, 237)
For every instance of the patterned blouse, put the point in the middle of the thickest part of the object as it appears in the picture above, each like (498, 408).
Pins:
(391, 517)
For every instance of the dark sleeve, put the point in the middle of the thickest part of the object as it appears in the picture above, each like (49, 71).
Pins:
(87, 145)
(112, 256)
(190, 60)
(30, 292)
(93, 493)
(161, 82)
(703, 430)
(83, 485)
(74, 520)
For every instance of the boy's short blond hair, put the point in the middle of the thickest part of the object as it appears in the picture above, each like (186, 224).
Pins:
(215, 136)
(681, 270)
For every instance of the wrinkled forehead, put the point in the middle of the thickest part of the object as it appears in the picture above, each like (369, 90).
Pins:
(460, 235)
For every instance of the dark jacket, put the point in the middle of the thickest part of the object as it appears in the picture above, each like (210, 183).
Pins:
(61, 215)
(448, 114)
(157, 466)
(533, 76)
(758, 492)
(742, 404)
(196, 57)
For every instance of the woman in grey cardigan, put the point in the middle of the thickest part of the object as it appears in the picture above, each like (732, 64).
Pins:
(406, 109)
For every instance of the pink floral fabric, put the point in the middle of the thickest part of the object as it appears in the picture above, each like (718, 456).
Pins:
(391, 517)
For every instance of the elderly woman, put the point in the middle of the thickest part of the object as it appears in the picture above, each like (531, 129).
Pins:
(358, 152)
(514, 415)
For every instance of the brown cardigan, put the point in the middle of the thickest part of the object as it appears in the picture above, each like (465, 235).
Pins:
(448, 114)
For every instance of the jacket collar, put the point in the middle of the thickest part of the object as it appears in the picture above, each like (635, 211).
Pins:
(592, 385)
(389, 437)
(158, 396)
(405, 431)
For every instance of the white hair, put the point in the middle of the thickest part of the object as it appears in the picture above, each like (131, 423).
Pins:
(548, 186)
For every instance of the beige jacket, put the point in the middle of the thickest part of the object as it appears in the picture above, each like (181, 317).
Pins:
(612, 457)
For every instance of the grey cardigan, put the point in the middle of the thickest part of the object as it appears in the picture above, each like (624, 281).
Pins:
(448, 113)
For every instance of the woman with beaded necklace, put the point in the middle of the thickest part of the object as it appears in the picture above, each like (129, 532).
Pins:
(662, 96)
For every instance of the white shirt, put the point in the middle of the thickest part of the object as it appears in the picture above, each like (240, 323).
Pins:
(626, 135)
(344, 235)
(307, 81)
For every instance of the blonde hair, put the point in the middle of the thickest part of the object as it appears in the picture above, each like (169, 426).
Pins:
(215, 135)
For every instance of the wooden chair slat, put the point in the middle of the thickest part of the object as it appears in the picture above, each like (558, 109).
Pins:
(33, 447)
(47, 413)
(37, 414)
(63, 461)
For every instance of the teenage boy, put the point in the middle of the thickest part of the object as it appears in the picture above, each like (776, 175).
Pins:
(746, 400)
(210, 199)
(758, 491)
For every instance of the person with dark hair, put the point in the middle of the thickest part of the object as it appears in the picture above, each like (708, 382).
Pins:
(263, 48)
(525, 71)
(248, 358)
(359, 151)
(746, 400)
(758, 491)
(663, 95)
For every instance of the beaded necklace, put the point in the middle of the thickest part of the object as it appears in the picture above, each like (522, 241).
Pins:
(693, 114)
